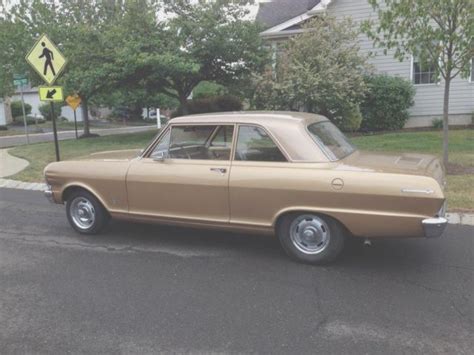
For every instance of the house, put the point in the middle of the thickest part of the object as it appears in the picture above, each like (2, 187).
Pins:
(283, 18)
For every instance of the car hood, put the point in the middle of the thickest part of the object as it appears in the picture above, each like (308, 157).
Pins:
(401, 163)
(121, 155)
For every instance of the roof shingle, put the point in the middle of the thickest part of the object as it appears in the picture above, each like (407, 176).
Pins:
(278, 11)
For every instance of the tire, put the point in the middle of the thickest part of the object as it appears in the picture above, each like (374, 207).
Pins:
(85, 213)
(311, 238)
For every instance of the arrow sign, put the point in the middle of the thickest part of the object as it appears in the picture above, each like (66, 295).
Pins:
(51, 93)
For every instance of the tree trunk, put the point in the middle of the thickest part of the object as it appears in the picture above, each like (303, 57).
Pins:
(85, 117)
(8, 109)
(447, 84)
(183, 101)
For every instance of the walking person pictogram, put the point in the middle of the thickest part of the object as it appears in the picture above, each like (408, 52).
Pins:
(49, 57)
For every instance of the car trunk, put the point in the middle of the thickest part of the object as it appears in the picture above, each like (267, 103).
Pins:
(402, 163)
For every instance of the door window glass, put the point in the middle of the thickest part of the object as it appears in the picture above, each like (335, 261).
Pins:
(203, 142)
(220, 146)
(162, 147)
(254, 144)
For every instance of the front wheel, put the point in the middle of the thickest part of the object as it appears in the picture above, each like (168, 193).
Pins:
(85, 213)
(311, 238)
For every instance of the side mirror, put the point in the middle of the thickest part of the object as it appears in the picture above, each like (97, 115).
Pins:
(159, 156)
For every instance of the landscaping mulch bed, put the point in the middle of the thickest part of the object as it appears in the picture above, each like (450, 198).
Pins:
(458, 169)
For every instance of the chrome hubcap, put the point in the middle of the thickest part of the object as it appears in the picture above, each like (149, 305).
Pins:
(82, 213)
(309, 234)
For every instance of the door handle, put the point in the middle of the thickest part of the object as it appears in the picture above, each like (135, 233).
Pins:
(219, 170)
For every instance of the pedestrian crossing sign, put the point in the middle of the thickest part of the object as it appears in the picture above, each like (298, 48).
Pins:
(46, 59)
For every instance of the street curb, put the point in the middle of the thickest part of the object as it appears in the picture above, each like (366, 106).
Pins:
(21, 185)
(453, 218)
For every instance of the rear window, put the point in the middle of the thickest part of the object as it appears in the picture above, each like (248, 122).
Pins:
(331, 140)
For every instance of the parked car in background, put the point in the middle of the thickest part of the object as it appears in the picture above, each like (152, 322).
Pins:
(288, 173)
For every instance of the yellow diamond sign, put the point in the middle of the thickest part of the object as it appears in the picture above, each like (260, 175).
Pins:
(51, 93)
(73, 101)
(46, 59)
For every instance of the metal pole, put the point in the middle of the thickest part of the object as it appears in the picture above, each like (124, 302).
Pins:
(75, 122)
(24, 115)
(53, 118)
(158, 118)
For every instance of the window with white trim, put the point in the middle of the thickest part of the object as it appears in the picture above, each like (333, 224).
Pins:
(423, 72)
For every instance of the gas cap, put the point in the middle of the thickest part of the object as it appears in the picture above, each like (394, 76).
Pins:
(337, 184)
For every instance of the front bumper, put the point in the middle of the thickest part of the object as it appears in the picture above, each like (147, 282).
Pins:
(434, 227)
(49, 194)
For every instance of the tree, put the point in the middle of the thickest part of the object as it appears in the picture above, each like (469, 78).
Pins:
(321, 71)
(439, 32)
(207, 41)
(83, 32)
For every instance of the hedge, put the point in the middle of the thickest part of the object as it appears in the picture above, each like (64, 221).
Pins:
(211, 104)
(387, 102)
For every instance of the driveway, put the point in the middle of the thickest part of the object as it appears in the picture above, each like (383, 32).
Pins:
(11, 141)
(147, 289)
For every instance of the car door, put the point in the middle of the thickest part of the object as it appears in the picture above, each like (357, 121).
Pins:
(259, 184)
(185, 176)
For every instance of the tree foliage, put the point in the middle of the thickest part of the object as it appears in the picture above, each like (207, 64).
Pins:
(439, 32)
(321, 71)
(121, 52)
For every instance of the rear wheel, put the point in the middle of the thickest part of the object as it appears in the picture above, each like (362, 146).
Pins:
(85, 213)
(311, 238)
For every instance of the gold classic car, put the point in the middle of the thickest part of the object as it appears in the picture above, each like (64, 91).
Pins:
(288, 173)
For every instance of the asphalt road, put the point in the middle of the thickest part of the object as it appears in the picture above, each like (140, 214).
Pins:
(144, 288)
(11, 141)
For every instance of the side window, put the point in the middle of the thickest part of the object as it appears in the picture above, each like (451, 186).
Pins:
(220, 146)
(162, 146)
(423, 72)
(254, 144)
(189, 142)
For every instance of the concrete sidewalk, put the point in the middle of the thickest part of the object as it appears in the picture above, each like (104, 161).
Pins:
(12, 141)
(10, 165)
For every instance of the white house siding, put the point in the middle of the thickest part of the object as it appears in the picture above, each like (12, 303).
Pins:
(429, 97)
(31, 97)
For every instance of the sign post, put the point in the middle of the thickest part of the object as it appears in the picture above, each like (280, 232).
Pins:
(19, 81)
(74, 101)
(48, 62)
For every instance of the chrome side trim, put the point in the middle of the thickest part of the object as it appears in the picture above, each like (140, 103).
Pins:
(434, 227)
(418, 191)
(48, 193)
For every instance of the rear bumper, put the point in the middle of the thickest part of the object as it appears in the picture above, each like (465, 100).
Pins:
(434, 227)
(48, 193)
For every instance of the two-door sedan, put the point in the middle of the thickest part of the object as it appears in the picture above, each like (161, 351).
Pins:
(289, 173)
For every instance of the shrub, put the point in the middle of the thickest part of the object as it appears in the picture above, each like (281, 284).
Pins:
(17, 110)
(45, 110)
(437, 123)
(211, 104)
(3, 128)
(386, 104)
(18, 120)
(349, 119)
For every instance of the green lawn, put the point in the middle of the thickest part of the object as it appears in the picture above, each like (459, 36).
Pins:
(40, 154)
(66, 126)
(460, 191)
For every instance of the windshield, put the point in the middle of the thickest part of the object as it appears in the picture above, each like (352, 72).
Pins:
(331, 140)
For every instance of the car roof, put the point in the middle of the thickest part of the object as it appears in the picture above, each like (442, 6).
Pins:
(256, 117)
